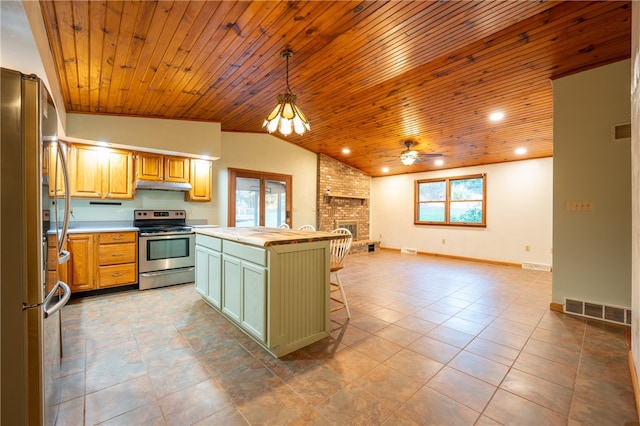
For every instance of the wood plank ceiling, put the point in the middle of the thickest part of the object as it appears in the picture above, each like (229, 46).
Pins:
(368, 74)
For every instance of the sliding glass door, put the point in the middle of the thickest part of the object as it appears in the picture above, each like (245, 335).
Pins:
(259, 198)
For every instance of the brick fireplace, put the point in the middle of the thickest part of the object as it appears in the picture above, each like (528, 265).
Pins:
(343, 201)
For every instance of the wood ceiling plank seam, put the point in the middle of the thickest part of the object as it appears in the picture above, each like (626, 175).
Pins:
(97, 12)
(219, 42)
(253, 25)
(172, 14)
(276, 59)
(111, 29)
(172, 52)
(151, 55)
(146, 33)
(81, 39)
(127, 50)
(53, 34)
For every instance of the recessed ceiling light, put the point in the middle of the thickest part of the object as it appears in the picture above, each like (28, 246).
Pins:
(496, 116)
(346, 150)
(521, 151)
(438, 162)
(385, 170)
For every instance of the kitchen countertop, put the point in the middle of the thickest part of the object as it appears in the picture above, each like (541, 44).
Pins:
(264, 236)
(91, 227)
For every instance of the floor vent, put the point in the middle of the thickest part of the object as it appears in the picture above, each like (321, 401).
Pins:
(621, 132)
(408, 250)
(537, 266)
(608, 313)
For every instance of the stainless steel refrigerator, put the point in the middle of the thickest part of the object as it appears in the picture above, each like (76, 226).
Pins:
(30, 339)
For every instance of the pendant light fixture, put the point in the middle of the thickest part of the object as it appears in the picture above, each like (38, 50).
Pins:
(286, 116)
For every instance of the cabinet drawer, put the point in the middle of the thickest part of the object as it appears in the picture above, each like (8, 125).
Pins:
(209, 242)
(249, 253)
(117, 237)
(112, 254)
(117, 275)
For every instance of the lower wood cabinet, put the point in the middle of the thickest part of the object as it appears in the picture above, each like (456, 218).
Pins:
(100, 260)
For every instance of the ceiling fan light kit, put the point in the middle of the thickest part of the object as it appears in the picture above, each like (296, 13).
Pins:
(286, 117)
(409, 156)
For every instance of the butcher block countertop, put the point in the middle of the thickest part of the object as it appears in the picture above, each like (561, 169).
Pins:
(263, 236)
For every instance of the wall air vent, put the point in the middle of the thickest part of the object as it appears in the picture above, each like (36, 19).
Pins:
(408, 250)
(621, 132)
(574, 307)
(609, 313)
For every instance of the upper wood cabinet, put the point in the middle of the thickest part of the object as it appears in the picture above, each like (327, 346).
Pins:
(97, 172)
(159, 167)
(176, 169)
(200, 181)
(149, 166)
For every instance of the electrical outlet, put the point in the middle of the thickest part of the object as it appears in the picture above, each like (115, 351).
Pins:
(190, 212)
(527, 247)
(444, 241)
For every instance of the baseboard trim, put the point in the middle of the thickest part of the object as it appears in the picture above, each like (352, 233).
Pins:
(450, 256)
(634, 383)
(556, 307)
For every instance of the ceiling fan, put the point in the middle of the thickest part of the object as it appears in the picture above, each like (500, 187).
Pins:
(410, 156)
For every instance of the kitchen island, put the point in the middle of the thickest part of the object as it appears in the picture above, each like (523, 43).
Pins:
(272, 283)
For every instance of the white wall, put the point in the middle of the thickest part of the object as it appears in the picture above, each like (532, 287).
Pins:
(266, 153)
(192, 138)
(592, 249)
(519, 213)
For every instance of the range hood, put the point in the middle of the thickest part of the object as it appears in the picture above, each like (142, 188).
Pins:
(163, 185)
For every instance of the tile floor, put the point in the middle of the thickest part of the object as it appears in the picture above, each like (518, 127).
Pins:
(432, 341)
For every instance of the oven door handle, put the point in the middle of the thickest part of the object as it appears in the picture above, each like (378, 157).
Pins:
(162, 234)
(170, 271)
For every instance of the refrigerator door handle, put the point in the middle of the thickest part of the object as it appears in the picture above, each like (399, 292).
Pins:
(67, 194)
(66, 294)
(63, 257)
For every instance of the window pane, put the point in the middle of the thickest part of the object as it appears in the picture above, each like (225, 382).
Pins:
(247, 202)
(431, 212)
(466, 189)
(466, 212)
(432, 191)
(275, 203)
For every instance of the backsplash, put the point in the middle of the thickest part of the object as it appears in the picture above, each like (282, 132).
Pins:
(122, 210)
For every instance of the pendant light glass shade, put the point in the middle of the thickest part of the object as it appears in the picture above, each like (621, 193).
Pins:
(286, 117)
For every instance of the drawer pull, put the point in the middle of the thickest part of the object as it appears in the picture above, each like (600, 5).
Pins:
(116, 274)
(117, 254)
(120, 237)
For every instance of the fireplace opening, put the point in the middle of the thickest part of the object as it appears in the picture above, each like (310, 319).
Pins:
(351, 225)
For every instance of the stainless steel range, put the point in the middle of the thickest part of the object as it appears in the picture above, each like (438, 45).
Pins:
(166, 248)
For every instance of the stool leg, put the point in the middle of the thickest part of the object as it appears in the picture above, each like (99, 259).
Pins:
(344, 297)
